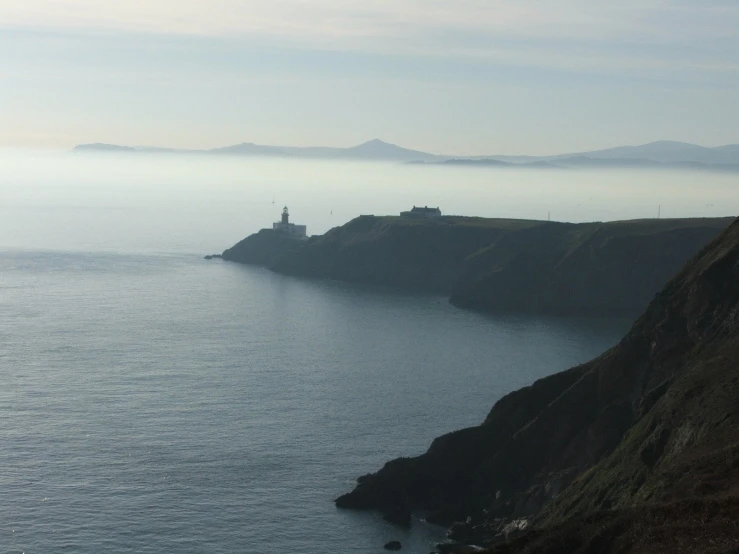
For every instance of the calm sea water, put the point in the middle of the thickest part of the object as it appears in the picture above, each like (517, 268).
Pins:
(151, 401)
(162, 403)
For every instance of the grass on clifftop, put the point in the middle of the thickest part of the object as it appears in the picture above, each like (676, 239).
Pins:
(486, 222)
(641, 226)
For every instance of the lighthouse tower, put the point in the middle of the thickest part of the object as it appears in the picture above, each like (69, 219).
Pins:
(284, 226)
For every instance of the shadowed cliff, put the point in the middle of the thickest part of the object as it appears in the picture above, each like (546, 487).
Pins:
(497, 265)
(417, 253)
(602, 269)
(263, 248)
(635, 451)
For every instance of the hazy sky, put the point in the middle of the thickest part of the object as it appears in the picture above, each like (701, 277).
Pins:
(454, 76)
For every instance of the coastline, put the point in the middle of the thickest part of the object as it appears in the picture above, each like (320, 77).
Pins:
(597, 269)
(636, 450)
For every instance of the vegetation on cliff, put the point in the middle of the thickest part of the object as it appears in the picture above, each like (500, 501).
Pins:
(635, 451)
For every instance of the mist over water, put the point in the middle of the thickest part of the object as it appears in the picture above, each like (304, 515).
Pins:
(204, 204)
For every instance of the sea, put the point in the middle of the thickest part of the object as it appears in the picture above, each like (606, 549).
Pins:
(154, 402)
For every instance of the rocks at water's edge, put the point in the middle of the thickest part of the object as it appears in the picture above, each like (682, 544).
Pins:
(635, 451)
(455, 548)
(212, 257)
(393, 545)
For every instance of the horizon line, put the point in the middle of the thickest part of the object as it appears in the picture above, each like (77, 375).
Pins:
(381, 141)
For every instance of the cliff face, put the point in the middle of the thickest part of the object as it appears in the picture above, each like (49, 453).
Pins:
(496, 265)
(422, 254)
(611, 269)
(595, 455)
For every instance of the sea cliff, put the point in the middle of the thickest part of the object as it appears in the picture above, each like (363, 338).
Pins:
(634, 451)
(266, 248)
(497, 265)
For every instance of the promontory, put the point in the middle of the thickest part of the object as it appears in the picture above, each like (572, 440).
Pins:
(496, 265)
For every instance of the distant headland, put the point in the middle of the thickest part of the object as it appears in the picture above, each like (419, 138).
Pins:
(655, 155)
(608, 269)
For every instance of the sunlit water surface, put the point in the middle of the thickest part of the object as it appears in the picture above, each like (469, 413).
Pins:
(152, 401)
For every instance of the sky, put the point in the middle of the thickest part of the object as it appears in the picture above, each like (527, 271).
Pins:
(449, 77)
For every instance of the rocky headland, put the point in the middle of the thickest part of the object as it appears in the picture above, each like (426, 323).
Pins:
(634, 451)
(496, 265)
(267, 247)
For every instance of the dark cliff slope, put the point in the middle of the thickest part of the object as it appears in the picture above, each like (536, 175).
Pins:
(263, 248)
(635, 451)
(592, 268)
(425, 254)
(496, 265)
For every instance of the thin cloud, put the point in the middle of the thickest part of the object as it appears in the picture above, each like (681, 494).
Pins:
(641, 38)
(351, 19)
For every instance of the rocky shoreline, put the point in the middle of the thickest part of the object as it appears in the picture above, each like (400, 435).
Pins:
(635, 451)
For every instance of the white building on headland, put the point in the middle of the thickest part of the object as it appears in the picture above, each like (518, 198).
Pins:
(284, 226)
(422, 212)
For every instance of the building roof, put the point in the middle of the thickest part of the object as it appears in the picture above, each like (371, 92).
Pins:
(425, 209)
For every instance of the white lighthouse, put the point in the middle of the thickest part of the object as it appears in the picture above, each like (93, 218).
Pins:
(284, 226)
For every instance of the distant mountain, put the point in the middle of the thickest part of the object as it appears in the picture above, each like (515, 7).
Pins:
(581, 162)
(373, 150)
(249, 149)
(377, 149)
(641, 163)
(661, 154)
(666, 152)
(101, 147)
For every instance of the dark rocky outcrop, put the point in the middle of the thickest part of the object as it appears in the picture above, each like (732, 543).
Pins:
(263, 248)
(635, 451)
(100, 147)
(497, 265)
(393, 545)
